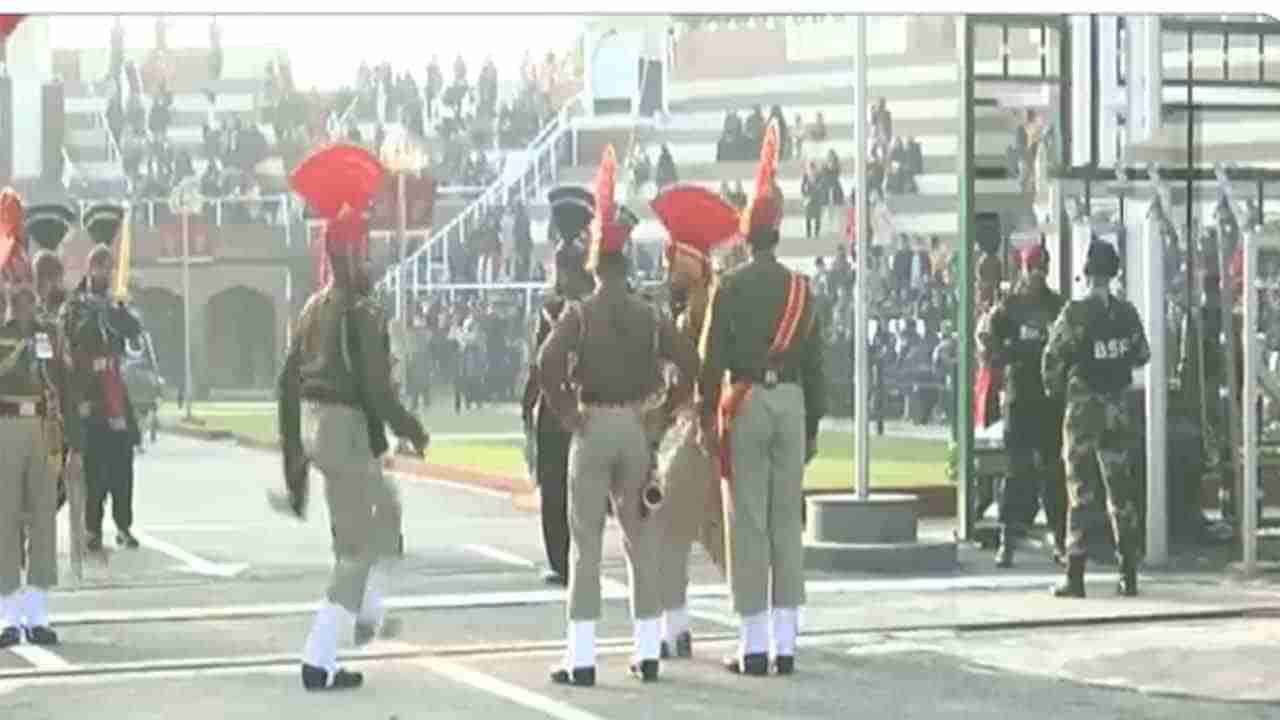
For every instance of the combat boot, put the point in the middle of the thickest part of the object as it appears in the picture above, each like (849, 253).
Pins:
(1128, 586)
(1074, 586)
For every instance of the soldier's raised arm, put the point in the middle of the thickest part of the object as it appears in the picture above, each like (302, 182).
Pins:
(370, 327)
(553, 366)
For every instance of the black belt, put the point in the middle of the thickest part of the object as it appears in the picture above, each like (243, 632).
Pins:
(765, 377)
(328, 398)
(12, 409)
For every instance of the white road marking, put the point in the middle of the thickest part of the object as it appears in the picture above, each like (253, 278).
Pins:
(194, 563)
(610, 590)
(715, 617)
(420, 480)
(505, 690)
(501, 556)
(40, 657)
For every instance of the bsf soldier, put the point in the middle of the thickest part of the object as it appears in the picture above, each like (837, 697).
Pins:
(697, 221)
(572, 209)
(1013, 343)
(619, 342)
(763, 331)
(1094, 347)
(32, 387)
(336, 394)
(96, 328)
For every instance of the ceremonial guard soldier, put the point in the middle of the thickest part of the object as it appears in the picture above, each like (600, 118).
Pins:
(336, 395)
(96, 327)
(763, 331)
(1094, 347)
(1012, 342)
(33, 394)
(618, 343)
(697, 220)
(47, 226)
(572, 209)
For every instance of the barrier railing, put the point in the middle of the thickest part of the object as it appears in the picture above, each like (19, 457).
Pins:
(539, 167)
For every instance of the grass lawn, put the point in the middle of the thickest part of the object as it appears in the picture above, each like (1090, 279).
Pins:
(895, 462)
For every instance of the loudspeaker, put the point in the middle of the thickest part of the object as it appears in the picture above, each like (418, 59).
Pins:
(53, 102)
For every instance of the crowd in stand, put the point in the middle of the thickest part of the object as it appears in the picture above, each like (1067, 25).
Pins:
(912, 345)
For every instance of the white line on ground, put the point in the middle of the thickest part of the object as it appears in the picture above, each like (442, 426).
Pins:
(193, 562)
(42, 658)
(419, 480)
(500, 555)
(505, 690)
(715, 617)
(610, 590)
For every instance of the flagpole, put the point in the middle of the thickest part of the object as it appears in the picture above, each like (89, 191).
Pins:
(186, 310)
(862, 377)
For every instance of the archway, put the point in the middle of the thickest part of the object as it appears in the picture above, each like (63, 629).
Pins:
(240, 340)
(162, 317)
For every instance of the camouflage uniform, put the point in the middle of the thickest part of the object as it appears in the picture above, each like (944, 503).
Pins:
(1094, 346)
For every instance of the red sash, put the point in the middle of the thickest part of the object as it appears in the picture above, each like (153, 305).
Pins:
(734, 395)
(986, 391)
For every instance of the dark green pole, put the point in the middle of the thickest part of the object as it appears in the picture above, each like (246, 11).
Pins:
(964, 307)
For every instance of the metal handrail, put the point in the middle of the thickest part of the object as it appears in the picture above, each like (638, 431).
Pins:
(543, 143)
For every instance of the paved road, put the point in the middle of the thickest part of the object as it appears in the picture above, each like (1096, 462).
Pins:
(205, 621)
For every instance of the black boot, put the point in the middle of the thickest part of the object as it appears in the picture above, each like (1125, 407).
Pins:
(1074, 586)
(1128, 586)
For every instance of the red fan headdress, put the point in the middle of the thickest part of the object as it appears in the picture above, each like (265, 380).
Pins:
(15, 265)
(338, 181)
(8, 23)
(608, 235)
(696, 220)
(765, 210)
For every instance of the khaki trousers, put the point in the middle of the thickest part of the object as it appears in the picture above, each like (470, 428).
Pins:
(691, 509)
(766, 552)
(609, 459)
(28, 499)
(364, 506)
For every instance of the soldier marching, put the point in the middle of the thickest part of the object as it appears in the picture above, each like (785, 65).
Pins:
(335, 397)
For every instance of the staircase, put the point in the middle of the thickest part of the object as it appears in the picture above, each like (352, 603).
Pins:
(526, 174)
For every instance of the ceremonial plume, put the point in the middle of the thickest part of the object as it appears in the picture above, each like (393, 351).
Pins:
(609, 234)
(765, 209)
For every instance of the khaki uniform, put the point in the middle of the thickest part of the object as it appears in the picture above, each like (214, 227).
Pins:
(32, 397)
(618, 342)
(779, 402)
(340, 361)
(692, 508)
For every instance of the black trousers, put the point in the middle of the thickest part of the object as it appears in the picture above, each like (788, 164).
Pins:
(553, 483)
(108, 470)
(1033, 439)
